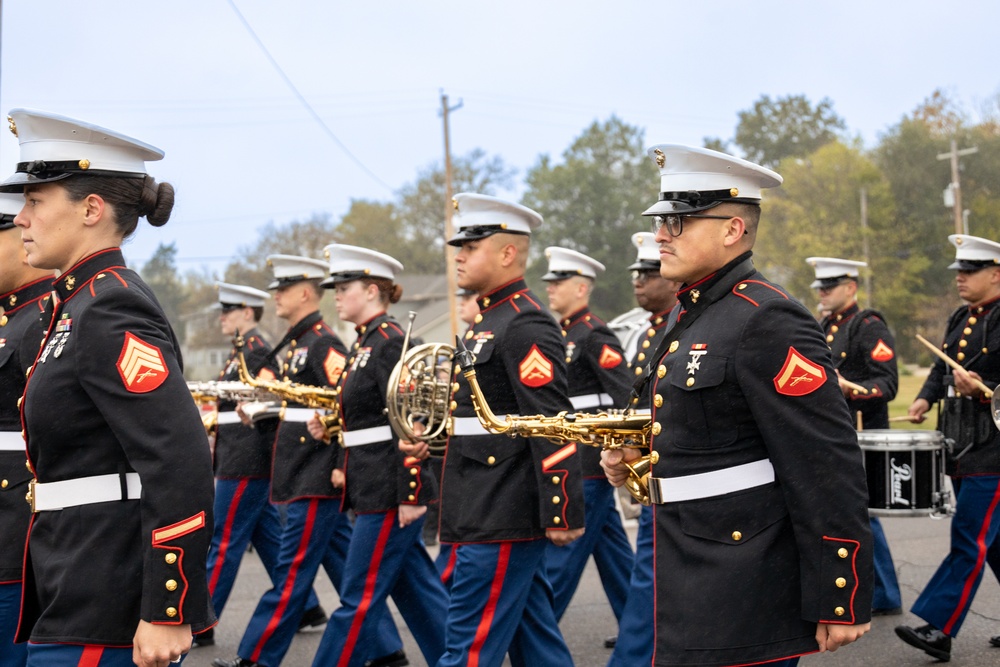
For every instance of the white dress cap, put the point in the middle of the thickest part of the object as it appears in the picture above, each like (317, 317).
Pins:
(695, 179)
(831, 270)
(565, 263)
(479, 216)
(240, 296)
(648, 258)
(10, 205)
(348, 262)
(290, 269)
(973, 253)
(54, 147)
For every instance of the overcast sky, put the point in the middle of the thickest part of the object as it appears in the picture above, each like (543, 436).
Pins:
(188, 76)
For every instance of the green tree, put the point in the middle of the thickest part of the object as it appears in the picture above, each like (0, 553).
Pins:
(160, 273)
(592, 202)
(773, 130)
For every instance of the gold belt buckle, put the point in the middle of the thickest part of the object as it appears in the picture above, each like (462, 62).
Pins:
(30, 496)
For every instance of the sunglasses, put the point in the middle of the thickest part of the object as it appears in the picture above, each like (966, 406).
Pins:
(642, 277)
(674, 223)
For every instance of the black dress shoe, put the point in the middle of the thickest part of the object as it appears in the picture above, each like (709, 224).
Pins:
(927, 638)
(312, 618)
(394, 659)
(235, 662)
(206, 638)
(611, 642)
(995, 641)
(888, 611)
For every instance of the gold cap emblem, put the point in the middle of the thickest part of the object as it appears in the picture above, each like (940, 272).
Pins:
(12, 125)
(84, 164)
(734, 192)
(454, 203)
(661, 159)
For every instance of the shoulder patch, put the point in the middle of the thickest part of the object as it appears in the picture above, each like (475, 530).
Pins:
(609, 358)
(141, 365)
(798, 376)
(333, 366)
(535, 369)
(882, 352)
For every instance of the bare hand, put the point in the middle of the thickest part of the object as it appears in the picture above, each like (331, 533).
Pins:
(244, 417)
(157, 645)
(965, 383)
(612, 460)
(410, 513)
(561, 538)
(337, 478)
(316, 428)
(415, 448)
(831, 636)
(845, 388)
(918, 409)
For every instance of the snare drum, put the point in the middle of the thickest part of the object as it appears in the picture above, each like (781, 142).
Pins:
(905, 471)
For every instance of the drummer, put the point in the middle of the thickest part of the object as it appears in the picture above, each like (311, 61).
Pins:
(971, 341)
(865, 360)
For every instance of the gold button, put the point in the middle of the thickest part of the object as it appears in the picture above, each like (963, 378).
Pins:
(829, 339)
(967, 330)
(641, 357)
(491, 460)
(737, 536)
(843, 354)
(645, 344)
(673, 347)
(556, 520)
(650, 333)
(564, 334)
(171, 558)
(302, 438)
(841, 582)
(28, 372)
(478, 319)
(834, 328)
(839, 611)
(4, 484)
(556, 500)
(972, 320)
(486, 302)
(741, 286)
(413, 471)
(171, 611)
(661, 371)
(569, 359)
(454, 386)
(288, 355)
(411, 497)
(690, 382)
(960, 356)
(19, 401)
(656, 428)
(555, 479)
(468, 335)
(842, 552)
(658, 401)
(985, 350)
(385, 325)
(963, 343)
(638, 371)
(171, 585)
(453, 404)
(840, 317)
(413, 485)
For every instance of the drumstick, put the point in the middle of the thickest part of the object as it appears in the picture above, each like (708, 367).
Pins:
(856, 388)
(904, 418)
(987, 392)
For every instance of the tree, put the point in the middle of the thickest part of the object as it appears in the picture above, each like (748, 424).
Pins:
(160, 273)
(593, 202)
(785, 127)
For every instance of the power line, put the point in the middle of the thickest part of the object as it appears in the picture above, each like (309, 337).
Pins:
(304, 101)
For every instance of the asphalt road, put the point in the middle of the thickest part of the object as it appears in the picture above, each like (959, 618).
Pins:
(918, 546)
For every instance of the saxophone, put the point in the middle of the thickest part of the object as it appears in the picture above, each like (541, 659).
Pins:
(320, 398)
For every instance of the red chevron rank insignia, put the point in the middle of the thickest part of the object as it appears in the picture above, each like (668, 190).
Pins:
(609, 358)
(882, 352)
(333, 366)
(141, 365)
(535, 368)
(799, 376)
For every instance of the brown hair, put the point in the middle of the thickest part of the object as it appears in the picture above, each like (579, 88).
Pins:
(129, 198)
(388, 291)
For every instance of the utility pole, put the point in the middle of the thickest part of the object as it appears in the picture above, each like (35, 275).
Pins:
(956, 186)
(864, 247)
(449, 252)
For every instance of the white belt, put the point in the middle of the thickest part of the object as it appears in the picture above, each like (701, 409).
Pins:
(365, 436)
(645, 412)
(82, 491)
(228, 417)
(11, 441)
(470, 426)
(584, 401)
(298, 414)
(708, 484)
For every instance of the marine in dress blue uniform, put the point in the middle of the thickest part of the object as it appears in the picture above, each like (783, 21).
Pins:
(501, 497)
(122, 488)
(972, 339)
(242, 462)
(23, 290)
(864, 354)
(762, 547)
(387, 490)
(599, 380)
(316, 532)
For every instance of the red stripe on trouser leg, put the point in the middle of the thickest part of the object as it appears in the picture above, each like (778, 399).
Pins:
(483, 631)
(227, 533)
(91, 656)
(981, 548)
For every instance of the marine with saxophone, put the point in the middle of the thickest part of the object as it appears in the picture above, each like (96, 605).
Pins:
(599, 379)
(242, 461)
(316, 532)
(501, 497)
(22, 289)
(762, 550)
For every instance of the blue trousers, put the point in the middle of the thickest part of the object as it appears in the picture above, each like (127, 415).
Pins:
(501, 600)
(636, 626)
(605, 538)
(316, 533)
(385, 560)
(445, 563)
(886, 592)
(946, 599)
(11, 654)
(72, 655)
(243, 515)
